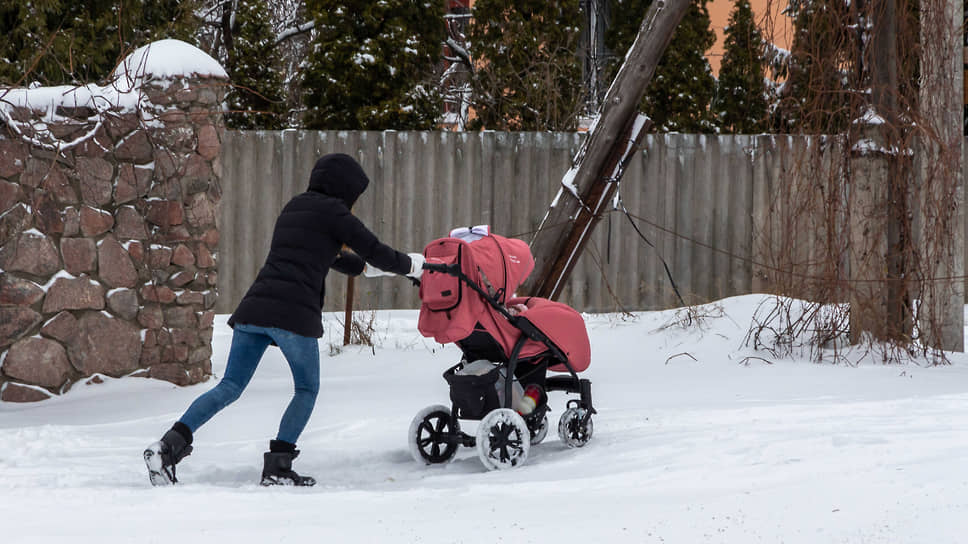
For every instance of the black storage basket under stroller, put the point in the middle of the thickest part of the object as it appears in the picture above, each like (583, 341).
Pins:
(473, 395)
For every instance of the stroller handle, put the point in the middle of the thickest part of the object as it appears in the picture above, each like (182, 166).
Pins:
(452, 269)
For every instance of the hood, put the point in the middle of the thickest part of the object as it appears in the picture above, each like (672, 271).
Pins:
(339, 176)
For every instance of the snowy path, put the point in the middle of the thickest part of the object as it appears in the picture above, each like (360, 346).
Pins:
(685, 451)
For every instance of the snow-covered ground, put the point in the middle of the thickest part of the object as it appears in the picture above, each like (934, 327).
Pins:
(685, 451)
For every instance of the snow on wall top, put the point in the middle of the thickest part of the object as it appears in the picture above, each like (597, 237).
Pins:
(157, 60)
(164, 60)
(48, 98)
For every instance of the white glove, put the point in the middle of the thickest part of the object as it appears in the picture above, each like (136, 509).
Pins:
(416, 265)
(374, 272)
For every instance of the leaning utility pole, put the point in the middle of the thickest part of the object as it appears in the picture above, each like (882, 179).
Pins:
(591, 182)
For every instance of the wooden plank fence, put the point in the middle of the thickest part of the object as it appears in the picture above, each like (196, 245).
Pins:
(695, 197)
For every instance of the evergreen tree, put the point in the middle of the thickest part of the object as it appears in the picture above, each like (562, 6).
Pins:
(527, 71)
(679, 95)
(371, 65)
(66, 42)
(252, 63)
(740, 103)
(815, 96)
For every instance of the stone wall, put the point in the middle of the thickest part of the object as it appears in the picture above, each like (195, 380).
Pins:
(108, 239)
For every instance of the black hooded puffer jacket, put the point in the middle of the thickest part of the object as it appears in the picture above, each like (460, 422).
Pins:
(309, 233)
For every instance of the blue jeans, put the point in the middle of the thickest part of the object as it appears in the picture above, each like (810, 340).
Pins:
(249, 343)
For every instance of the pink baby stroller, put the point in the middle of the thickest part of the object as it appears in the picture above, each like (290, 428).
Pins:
(466, 299)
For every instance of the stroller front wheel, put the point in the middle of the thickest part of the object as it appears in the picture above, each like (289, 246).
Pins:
(432, 436)
(572, 432)
(503, 439)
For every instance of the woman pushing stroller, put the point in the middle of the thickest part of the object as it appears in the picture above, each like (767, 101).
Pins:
(283, 307)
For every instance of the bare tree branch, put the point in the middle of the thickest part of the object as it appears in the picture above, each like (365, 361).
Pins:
(295, 31)
(462, 53)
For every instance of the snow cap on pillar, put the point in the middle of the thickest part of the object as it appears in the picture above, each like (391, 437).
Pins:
(165, 59)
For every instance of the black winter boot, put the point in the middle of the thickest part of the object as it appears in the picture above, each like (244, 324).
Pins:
(162, 456)
(277, 466)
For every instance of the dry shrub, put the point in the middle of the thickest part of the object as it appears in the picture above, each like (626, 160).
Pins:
(694, 317)
(362, 331)
(857, 228)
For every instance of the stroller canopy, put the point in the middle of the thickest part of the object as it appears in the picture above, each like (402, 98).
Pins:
(450, 311)
(504, 263)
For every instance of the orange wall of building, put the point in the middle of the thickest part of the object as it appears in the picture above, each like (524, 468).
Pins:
(719, 11)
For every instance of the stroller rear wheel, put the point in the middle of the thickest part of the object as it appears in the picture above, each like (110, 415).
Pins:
(571, 429)
(432, 436)
(503, 439)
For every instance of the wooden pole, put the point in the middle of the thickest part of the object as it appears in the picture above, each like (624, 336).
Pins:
(941, 312)
(600, 162)
(880, 202)
(348, 313)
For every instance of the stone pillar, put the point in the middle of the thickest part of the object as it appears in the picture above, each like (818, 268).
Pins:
(181, 219)
(108, 249)
(869, 214)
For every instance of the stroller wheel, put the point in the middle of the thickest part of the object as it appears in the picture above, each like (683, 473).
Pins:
(432, 437)
(503, 439)
(570, 429)
(539, 431)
